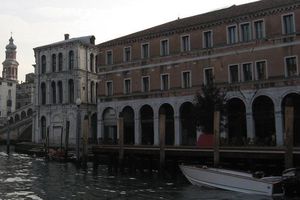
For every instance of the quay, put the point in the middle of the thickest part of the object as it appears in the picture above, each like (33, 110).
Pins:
(145, 157)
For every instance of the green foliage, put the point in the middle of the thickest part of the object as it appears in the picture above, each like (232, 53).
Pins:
(210, 98)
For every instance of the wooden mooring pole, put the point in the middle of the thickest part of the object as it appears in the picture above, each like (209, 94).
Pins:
(85, 141)
(121, 141)
(289, 133)
(216, 138)
(162, 133)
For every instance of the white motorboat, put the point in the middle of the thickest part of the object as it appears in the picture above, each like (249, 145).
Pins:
(233, 180)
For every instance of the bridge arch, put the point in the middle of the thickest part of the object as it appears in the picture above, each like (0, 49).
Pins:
(23, 114)
(17, 117)
(29, 112)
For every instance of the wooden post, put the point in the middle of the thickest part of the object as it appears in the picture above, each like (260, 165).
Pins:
(216, 138)
(47, 140)
(289, 134)
(162, 130)
(85, 141)
(67, 139)
(121, 139)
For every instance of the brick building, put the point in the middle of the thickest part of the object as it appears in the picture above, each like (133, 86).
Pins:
(251, 50)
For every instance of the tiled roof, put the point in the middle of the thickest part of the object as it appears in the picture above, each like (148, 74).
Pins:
(202, 19)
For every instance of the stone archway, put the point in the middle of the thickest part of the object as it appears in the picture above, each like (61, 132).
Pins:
(295, 101)
(237, 127)
(188, 128)
(264, 120)
(128, 115)
(147, 128)
(169, 125)
(110, 126)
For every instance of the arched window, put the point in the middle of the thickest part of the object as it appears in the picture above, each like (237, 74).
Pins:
(60, 62)
(97, 63)
(71, 91)
(53, 87)
(92, 62)
(71, 59)
(92, 91)
(43, 70)
(53, 62)
(43, 93)
(60, 92)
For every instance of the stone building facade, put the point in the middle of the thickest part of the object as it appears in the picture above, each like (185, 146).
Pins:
(25, 91)
(251, 50)
(64, 72)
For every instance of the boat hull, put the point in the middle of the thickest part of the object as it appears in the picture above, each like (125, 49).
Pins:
(231, 180)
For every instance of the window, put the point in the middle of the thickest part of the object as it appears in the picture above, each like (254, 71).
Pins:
(247, 72)
(127, 54)
(233, 73)
(232, 34)
(127, 86)
(92, 92)
(145, 51)
(109, 57)
(53, 87)
(43, 70)
(164, 82)
(71, 91)
(60, 62)
(71, 59)
(164, 47)
(288, 24)
(145, 84)
(43, 93)
(259, 29)
(291, 66)
(207, 39)
(53, 62)
(109, 88)
(208, 76)
(186, 79)
(185, 43)
(245, 32)
(60, 92)
(92, 62)
(261, 71)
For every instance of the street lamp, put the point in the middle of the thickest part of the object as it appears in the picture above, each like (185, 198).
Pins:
(78, 102)
(7, 137)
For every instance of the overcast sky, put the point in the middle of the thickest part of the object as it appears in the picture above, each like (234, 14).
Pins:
(39, 22)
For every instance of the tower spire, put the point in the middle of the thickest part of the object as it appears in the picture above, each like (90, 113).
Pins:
(10, 65)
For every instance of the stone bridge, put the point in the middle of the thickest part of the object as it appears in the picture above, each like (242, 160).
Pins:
(20, 125)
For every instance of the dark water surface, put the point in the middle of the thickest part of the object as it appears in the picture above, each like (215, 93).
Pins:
(26, 177)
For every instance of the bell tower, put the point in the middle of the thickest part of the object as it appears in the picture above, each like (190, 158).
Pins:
(10, 65)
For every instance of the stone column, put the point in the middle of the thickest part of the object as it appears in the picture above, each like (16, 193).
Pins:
(279, 125)
(177, 127)
(137, 131)
(250, 123)
(156, 126)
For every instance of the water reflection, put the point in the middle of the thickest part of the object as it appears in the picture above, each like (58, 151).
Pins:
(25, 177)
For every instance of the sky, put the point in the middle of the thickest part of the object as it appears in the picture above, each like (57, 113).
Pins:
(36, 23)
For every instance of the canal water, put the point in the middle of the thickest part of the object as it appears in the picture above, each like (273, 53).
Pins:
(27, 177)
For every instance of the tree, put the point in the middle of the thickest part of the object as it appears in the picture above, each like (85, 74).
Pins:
(206, 102)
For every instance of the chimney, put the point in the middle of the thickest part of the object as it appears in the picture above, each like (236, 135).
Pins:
(67, 36)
